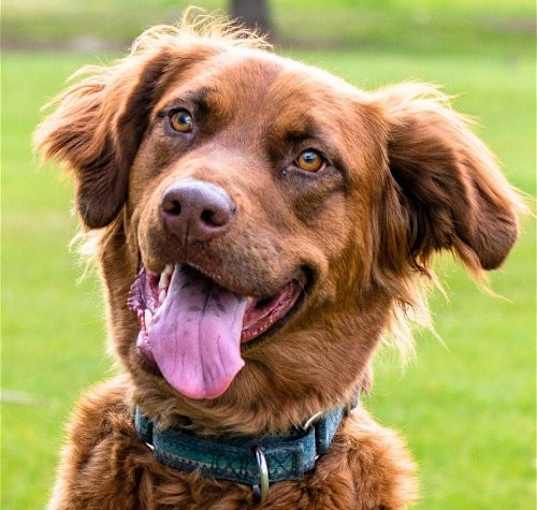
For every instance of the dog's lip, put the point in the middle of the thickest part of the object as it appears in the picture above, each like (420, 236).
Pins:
(265, 335)
(271, 309)
(297, 283)
(254, 333)
(265, 314)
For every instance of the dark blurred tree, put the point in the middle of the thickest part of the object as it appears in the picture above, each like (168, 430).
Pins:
(253, 14)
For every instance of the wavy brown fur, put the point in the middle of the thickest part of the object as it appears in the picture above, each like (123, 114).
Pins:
(409, 179)
(105, 466)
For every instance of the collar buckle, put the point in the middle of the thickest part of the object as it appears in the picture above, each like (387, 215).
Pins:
(262, 488)
(310, 421)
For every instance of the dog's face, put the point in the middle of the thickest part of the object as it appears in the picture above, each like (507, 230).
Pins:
(263, 220)
(244, 170)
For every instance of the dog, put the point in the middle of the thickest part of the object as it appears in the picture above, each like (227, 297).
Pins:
(260, 227)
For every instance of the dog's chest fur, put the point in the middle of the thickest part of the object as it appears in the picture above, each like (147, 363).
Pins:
(107, 467)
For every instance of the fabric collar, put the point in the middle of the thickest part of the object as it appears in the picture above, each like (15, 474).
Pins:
(250, 460)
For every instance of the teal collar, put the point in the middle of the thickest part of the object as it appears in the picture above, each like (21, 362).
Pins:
(254, 461)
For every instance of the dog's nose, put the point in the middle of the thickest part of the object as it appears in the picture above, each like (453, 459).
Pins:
(197, 209)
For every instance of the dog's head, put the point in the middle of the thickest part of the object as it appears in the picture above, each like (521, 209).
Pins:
(262, 220)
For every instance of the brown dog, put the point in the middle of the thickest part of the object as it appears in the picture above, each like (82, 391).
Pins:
(261, 224)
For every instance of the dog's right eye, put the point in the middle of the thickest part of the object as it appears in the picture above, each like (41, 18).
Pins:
(310, 160)
(181, 121)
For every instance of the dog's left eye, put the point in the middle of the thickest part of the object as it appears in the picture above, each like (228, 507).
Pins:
(181, 121)
(310, 160)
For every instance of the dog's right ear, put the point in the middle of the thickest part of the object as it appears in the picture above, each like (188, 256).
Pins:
(99, 123)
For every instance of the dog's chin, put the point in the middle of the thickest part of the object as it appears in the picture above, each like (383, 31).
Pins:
(193, 329)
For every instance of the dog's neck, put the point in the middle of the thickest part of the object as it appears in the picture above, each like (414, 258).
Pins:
(222, 417)
(252, 460)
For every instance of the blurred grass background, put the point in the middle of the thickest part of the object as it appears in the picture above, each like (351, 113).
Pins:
(467, 410)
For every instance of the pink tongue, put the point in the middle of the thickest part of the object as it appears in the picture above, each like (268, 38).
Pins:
(195, 336)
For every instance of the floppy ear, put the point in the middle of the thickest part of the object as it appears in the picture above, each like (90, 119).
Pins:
(445, 189)
(99, 124)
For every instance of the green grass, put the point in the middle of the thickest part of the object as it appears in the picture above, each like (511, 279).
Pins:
(467, 411)
(505, 27)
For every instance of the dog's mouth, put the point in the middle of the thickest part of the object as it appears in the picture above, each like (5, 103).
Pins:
(192, 328)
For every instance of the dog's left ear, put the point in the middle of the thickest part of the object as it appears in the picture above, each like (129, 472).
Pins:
(445, 188)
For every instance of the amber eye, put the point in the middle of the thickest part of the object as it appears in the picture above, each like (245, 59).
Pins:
(181, 121)
(310, 161)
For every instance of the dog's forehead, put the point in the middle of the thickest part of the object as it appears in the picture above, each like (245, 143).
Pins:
(258, 81)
